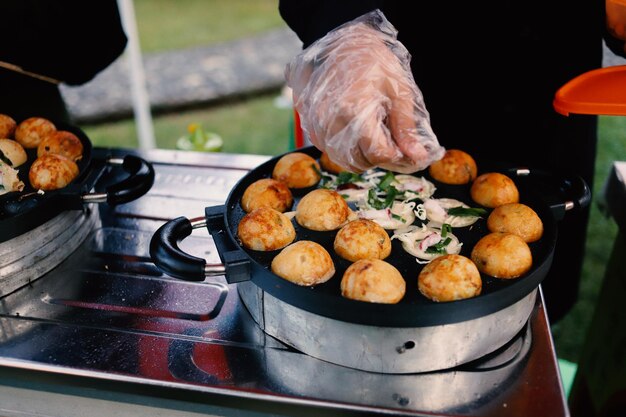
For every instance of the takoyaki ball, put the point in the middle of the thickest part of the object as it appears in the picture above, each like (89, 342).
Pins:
(297, 170)
(52, 172)
(450, 277)
(373, 281)
(330, 166)
(516, 218)
(30, 132)
(502, 255)
(13, 151)
(362, 239)
(265, 229)
(493, 189)
(267, 192)
(304, 263)
(322, 210)
(7, 126)
(63, 143)
(456, 167)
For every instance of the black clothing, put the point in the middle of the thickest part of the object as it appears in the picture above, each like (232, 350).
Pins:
(68, 40)
(488, 72)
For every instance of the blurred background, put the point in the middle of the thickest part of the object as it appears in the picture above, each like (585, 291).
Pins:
(219, 65)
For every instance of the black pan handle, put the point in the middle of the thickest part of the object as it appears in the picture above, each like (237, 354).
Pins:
(573, 191)
(138, 183)
(167, 255)
(171, 259)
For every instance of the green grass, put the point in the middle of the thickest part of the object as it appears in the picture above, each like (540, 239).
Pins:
(167, 24)
(248, 126)
(256, 126)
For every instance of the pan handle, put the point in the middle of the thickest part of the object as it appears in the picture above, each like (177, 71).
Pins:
(138, 183)
(574, 190)
(167, 255)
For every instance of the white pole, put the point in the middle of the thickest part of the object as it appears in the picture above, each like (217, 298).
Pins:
(138, 85)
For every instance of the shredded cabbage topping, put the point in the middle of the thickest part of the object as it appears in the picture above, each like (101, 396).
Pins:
(9, 180)
(396, 201)
(427, 242)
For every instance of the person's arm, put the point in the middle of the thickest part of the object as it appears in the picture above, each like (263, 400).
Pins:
(68, 40)
(312, 19)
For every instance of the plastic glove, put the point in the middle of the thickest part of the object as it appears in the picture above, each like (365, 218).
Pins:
(358, 101)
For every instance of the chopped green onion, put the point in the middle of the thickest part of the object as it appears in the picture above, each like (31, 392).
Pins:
(398, 217)
(377, 203)
(346, 177)
(466, 211)
(317, 170)
(392, 192)
(326, 179)
(374, 201)
(385, 183)
(326, 182)
(439, 247)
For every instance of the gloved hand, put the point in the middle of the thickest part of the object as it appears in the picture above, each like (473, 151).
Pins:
(357, 99)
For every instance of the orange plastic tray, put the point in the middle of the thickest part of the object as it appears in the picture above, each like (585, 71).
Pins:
(600, 91)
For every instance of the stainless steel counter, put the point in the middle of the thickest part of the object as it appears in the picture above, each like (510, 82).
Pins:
(106, 333)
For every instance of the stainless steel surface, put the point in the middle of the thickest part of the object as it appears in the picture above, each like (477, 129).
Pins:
(391, 349)
(436, 392)
(108, 324)
(32, 254)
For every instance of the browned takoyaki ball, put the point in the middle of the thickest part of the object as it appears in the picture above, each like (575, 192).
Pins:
(362, 239)
(330, 166)
(265, 229)
(7, 126)
(373, 281)
(267, 192)
(322, 210)
(450, 277)
(63, 143)
(304, 263)
(456, 167)
(52, 172)
(516, 218)
(493, 189)
(30, 132)
(13, 151)
(297, 170)
(502, 255)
